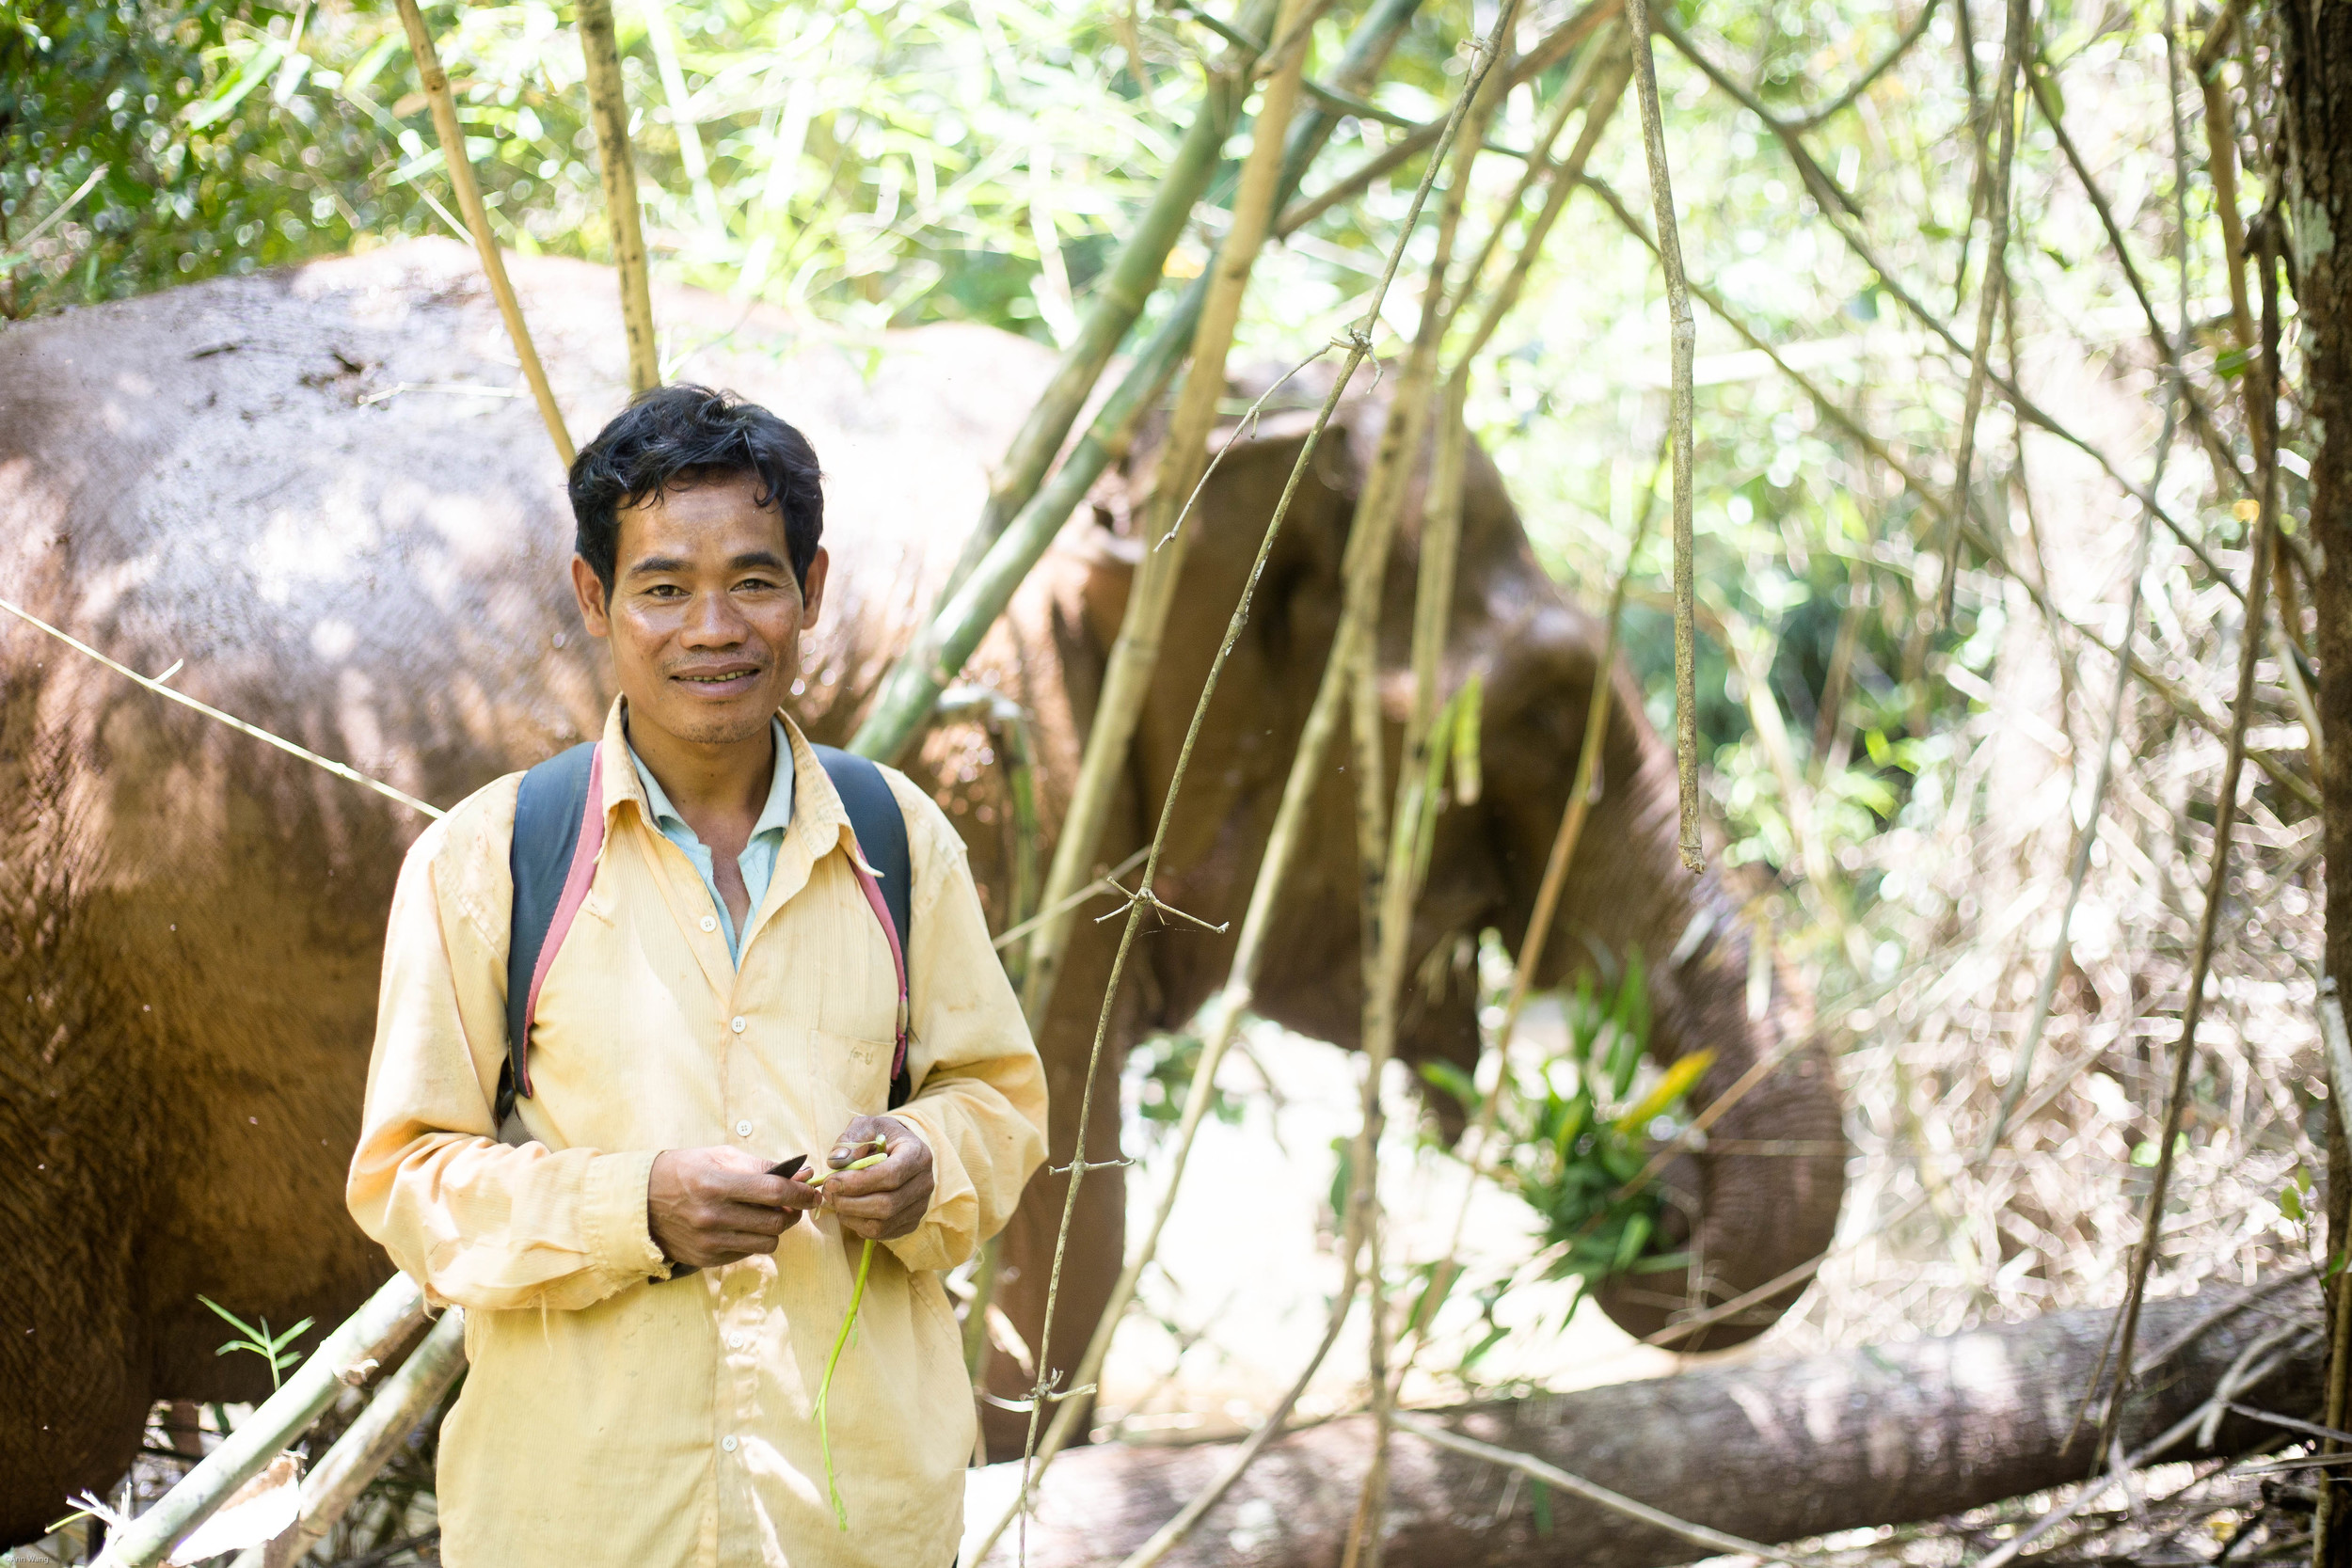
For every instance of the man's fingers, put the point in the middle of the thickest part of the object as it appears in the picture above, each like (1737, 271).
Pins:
(907, 1157)
(883, 1205)
(754, 1187)
(750, 1219)
(734, 1247)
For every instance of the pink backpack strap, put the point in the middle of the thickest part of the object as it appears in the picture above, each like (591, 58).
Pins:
(880, 907)
(576, 881)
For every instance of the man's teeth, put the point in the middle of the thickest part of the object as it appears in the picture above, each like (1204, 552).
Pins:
(715, 680)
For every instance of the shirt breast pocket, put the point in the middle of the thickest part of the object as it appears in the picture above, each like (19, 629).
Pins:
(857, 1071)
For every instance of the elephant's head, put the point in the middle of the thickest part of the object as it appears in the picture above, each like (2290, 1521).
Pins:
(1745, 1212)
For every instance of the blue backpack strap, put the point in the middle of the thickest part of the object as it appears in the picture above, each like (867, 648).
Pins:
(882, 837)
(549, 807)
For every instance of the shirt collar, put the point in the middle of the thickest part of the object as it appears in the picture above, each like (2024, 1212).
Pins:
(775, 816)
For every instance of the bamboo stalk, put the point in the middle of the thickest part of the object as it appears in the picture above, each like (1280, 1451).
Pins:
(343, 1473)
(955, 628)
(1183, 457)
(1421, 138)
(1682, 415)
(608, 109)
(1393, 896)
(1359, 348)
(2224, 819)
(452, 137)
(1583, 792)
(1116, 301)
(1362, 571)
(344, 1357)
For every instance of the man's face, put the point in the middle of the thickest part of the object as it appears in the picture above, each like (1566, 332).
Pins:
(704, 619)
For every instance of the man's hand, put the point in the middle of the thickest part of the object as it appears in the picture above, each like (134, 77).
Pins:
(707, 1207)
(884, 1201)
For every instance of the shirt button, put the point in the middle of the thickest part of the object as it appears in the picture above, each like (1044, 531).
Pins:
(736, 1023)
(742, 1128)
(727, 1443)
(710, 922)
(734, 1341)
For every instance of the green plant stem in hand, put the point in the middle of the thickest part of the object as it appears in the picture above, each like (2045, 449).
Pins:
(841, 1341)
(824, 1389)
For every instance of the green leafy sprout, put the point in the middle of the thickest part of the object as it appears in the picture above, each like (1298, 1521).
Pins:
(1579, 1136)
(276, 1348)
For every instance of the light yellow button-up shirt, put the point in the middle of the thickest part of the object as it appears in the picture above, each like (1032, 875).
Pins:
(615, 1416)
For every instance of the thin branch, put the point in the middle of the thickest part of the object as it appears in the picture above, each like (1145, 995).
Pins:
(1179, 472)
(1681, 415)
(2224, 818)
(1171, 1534)
(1714, 1541)
(1421, 138)
(1358, 349)
(1583, 792)
(340, 769)
(2168, 348)
(1988, 290)
(1837, 206)
(1862, 83)
(1983, 542)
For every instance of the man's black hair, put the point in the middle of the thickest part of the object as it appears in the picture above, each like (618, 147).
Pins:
(682, 435)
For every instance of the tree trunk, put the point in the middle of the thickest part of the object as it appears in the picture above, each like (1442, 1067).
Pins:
(2316, 113)
(1771, 1452)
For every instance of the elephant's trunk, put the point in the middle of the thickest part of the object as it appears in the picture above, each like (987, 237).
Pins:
(1760, 1197)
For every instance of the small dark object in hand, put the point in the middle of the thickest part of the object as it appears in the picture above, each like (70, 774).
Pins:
(785, 1169)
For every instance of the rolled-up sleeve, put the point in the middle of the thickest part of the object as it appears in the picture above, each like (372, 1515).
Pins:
(473, 1221)
(979, 1099)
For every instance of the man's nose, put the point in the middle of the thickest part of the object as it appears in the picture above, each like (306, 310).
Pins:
(713, 622)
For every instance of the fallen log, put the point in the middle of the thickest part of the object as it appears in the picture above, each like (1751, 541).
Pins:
(1770, 1451)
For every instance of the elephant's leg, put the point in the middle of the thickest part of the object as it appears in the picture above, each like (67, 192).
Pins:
(1090, 1263)
(74, 1356)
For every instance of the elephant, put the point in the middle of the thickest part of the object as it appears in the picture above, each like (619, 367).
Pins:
(315, 499)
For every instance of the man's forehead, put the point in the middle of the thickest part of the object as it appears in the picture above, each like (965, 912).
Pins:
(713, 521)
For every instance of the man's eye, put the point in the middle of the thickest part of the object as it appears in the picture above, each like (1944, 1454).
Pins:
(758, 585)
(665, 590)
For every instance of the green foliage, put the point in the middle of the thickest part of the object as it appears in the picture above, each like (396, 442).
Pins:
(274, 1349)
(1159, 1076)
(1578, 1137)
(911, 162)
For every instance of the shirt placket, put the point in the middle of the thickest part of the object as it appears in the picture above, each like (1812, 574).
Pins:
(746, 1320)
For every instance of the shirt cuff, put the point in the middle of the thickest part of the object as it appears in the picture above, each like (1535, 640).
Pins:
(613, 1222)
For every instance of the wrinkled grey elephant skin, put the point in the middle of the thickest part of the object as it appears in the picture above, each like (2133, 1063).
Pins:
(321, 490)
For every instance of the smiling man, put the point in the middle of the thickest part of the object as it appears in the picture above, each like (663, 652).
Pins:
(651, 1288)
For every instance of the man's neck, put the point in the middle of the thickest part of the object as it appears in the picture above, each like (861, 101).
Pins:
(719, 788)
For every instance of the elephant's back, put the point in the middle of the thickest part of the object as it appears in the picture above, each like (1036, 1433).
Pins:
(327, 490)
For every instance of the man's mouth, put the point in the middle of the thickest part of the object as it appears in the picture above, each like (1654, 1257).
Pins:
(718, 682)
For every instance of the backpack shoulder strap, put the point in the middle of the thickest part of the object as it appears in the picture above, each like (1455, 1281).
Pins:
(558, 834)
(882, 838)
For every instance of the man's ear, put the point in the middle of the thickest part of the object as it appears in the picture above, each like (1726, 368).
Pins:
(812, 588)
(595, 604)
